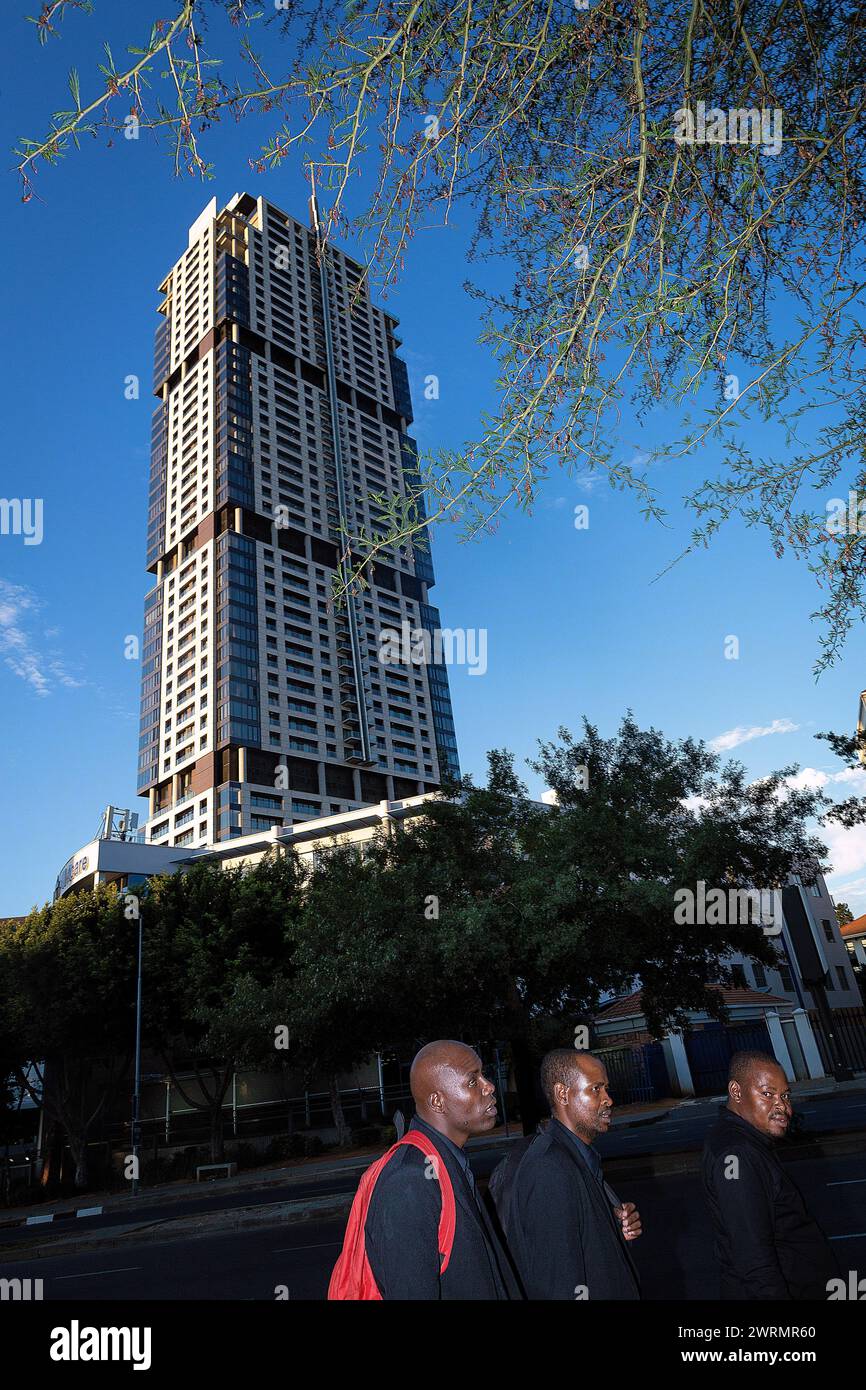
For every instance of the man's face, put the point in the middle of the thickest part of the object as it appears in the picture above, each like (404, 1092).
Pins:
(468, 1098)
(764, 1100)
(586, 1101)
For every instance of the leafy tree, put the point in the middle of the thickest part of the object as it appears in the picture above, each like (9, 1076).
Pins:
(544, 911)
(358, 984)
(67, 994)
(217, 942)
(844, 915)
(638, 818)
(654, 262)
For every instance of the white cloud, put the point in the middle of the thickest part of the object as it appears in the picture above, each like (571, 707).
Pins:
(816, 780)
(723, 743)
(588, 482)
(42, 671)
(856, 776)
(846, 849)
(808, 779)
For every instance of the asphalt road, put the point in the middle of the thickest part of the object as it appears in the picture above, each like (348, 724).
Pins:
(674, 1255)
(685, 1127)
(660, 1133)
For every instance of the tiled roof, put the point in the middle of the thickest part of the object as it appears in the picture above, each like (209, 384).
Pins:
(855, 928)
(630, 1004)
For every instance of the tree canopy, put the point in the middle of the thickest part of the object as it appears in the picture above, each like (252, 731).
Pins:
(675, 193)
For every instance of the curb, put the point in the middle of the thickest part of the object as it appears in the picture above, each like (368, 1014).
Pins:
(44, 1220)
(186, 1227)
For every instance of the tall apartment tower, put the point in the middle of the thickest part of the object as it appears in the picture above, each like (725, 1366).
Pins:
(282, 411)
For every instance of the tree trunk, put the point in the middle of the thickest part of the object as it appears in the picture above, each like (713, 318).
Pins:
(524, 1080)
(78, 1149)
(52, 1150)
(343, 1134)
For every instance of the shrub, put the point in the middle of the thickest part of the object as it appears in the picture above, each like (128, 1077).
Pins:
(366, 1135)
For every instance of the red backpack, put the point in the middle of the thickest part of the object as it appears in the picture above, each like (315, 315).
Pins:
(352, 1277)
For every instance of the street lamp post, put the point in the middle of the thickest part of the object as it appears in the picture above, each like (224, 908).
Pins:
(136, 1098)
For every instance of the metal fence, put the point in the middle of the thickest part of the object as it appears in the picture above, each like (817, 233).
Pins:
(849, 1027)
(636, 1073)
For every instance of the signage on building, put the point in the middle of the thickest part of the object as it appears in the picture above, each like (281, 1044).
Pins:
(72, 869)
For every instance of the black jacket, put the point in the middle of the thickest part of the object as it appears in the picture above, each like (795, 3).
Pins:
(767, 1244)
(560, 1225)
(402, 1229)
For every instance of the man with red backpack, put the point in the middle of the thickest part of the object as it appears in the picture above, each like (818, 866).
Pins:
(418, 1229)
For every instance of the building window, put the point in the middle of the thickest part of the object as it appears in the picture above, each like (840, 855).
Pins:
(738, 977)
(760, 975)
(843, 978)
(828, 928)
(786, 977)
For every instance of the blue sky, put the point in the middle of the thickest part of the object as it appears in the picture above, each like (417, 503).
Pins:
(575, 623)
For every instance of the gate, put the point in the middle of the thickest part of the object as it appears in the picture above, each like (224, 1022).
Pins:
(709, 1052)
(849, 1027)
(635, 1073)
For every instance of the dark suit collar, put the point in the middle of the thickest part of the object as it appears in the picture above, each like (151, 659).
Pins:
(465, 1194)
(445, 1145)
(597, 1192)
(585, 1152)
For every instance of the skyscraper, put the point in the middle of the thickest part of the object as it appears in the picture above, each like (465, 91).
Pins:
(282, 411)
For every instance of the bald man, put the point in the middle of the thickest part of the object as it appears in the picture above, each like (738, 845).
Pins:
(767, 1244)
(566, 1229)
(453, 1101)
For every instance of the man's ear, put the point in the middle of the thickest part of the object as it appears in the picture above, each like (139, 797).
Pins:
(735, 1092)
(560, 1093)
(436, 1101)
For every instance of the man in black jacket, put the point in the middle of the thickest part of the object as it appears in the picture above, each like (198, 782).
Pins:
(766, 1242)
(565, 1228)
(454, 1100)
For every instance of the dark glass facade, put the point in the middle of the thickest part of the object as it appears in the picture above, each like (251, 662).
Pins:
(400, 383)
(234, 427)
(238, 717)
(151, 676)
(440, 700)
(157, 487)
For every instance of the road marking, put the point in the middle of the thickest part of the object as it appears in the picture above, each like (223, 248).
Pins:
(323, 1245)
(39, 1220)
(847, 1182)
(857, 1235)
(96, 1272)
(89, 1211)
